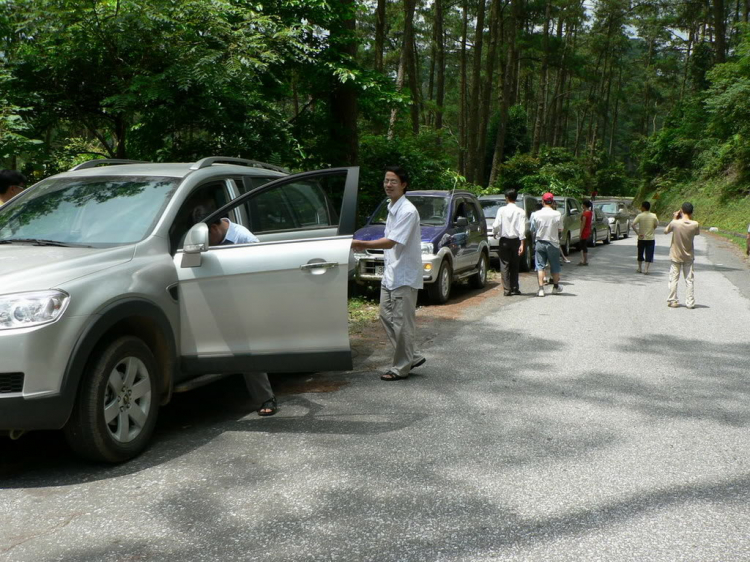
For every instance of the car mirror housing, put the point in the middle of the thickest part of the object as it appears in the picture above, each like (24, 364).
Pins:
(462, 221)
(196, 242)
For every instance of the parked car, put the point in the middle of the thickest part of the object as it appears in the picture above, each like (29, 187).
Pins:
(491, 204)
(618, 216)
(570, 209)
(113, 299)
(454, 242)
(600, 230)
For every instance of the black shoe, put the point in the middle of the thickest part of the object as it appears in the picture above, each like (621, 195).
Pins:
(516, 292)
(507, 294)
(419, 362)
(270, 405)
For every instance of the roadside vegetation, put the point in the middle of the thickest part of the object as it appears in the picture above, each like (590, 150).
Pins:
(647, 98)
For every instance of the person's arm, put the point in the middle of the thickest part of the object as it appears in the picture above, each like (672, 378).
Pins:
(521, 220)
(497, 223)
(747, 251)
(379, 244)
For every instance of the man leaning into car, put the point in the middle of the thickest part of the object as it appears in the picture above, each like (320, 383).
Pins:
(222, 232)
(402, 277)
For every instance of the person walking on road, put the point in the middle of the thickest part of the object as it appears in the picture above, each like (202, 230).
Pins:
(547, 226)
(12, 183)
(510, 228)
(646, 223)
(402, 277)
(682, 253)
(747, 249)
(586, 217)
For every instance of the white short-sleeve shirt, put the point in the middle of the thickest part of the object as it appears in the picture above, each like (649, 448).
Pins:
(403, 262)
(510, 222)
(546, 223)
(238, 234)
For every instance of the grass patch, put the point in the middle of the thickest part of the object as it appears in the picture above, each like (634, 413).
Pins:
(362, 312)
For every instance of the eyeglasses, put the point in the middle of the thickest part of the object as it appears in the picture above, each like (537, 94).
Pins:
(391, 182)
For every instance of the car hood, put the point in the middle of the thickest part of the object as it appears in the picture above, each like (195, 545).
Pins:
(377, 231)
(25, 267)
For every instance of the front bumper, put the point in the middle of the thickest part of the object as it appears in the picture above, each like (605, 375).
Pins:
(370, 268)
(34, 362)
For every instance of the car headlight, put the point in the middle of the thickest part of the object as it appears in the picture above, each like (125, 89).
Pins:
(26, 310)
(611, 220)
(427, 248)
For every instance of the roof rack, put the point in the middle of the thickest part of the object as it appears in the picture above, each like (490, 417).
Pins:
(210, 161)
(104, 162)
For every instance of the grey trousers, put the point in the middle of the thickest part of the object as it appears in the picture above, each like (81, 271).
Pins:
(398, 312)
(258, 386)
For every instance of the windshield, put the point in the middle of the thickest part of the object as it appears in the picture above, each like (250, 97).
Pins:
(433, 210)
(608, 208)
(97, 211)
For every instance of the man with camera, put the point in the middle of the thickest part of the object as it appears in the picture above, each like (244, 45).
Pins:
(682, 253)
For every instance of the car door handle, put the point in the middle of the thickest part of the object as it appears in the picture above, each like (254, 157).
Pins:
(319, 265)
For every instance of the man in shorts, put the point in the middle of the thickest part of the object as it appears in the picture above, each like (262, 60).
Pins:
(644, 226)
(547, 226)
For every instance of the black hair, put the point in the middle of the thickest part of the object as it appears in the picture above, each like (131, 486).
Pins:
(201, 212)
(10, 178)
(402, 174)
(687, 208)
(587, 203)
(646, 205)
(511, 194)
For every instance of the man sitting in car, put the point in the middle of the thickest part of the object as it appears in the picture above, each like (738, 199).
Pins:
(223, 231)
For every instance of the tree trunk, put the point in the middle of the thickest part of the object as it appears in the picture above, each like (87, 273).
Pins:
(379, 34)
(462, 112)
(617, 108)
(406, 63)
(440, 64)
(543, 82)
(720, 31)
(411, 62)
(343, 127)
(473, 132)
(484, 118)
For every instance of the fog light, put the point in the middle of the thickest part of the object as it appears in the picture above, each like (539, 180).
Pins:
(428, 267)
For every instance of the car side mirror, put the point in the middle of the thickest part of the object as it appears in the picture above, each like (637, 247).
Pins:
(196, 242)
(462, 221)
(573, 212)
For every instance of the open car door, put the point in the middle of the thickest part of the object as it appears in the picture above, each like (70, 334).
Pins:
(279, 305)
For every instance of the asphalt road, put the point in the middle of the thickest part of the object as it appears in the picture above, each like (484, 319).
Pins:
(594, 425)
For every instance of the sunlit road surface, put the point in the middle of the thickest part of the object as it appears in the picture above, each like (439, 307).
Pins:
(593, 425)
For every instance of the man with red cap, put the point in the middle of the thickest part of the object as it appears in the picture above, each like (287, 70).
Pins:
(546, 225)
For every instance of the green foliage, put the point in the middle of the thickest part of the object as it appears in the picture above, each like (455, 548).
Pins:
(422, 156)
(555, 170)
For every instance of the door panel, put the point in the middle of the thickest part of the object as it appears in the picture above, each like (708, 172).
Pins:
(274, 306)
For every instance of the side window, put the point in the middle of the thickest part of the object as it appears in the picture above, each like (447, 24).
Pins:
(459, 209)
(471, 212)
(208, 197)
(301, 205)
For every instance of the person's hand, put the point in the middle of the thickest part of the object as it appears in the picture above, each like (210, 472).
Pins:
(358, 245)
(520, 250)
(641, 237)
(677, 215)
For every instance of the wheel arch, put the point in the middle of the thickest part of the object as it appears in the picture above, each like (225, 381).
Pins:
(133, 316)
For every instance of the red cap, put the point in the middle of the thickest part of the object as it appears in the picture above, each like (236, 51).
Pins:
(548, 197)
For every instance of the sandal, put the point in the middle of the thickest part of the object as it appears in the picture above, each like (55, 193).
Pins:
(270, 407)
(389, 376)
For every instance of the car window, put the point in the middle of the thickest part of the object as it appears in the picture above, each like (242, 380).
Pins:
(459, 209)
(433, 210)
(608, 208)
(472, 213)
(209, 196)
(491, 207)
(94, 211)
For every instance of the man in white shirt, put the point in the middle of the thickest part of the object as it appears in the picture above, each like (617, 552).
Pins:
(510, 229)
(402, 277)
(747, 250)
(547, 226)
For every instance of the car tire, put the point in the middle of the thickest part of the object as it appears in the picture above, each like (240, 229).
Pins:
(566, 247)
(479, 279)
(440, 291)
(627, 231)
(592, 239)
(525, 264)
(609, 236)
(617, 233)
(118, 403)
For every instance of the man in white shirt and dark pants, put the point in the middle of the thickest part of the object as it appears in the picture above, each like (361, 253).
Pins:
(510, 229)
(402, 277)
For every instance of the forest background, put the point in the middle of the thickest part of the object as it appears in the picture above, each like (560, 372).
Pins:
(647, 98)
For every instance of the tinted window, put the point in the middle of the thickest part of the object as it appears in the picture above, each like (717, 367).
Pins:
(608, 208)
(99, 211)
(490, 207)
(433, 210)
(472, 213)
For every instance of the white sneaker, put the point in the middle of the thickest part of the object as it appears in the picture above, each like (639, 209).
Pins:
(557, 290)
(540, 293)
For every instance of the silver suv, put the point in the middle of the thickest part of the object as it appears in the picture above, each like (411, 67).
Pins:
(112, 299)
